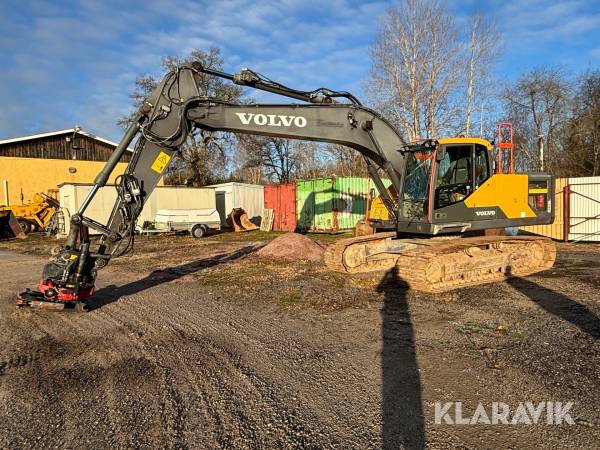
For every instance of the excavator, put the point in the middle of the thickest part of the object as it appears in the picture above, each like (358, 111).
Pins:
(447, 192)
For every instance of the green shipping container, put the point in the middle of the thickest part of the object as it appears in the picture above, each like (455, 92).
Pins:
(332, 204)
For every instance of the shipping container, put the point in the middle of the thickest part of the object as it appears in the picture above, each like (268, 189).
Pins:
(250, 197)
(163, 197)
(332, 204)
(281, 198)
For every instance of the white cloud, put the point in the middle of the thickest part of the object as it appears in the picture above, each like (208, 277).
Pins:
(538, 21)
(67, 65)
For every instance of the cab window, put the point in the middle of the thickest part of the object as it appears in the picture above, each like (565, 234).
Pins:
(454, 175)
(482, 171)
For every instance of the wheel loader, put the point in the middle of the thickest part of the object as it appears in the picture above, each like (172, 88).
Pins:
(35, 214)
(447, 191)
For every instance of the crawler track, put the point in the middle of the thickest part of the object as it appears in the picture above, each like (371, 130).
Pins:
(439, 265)
(336, 258)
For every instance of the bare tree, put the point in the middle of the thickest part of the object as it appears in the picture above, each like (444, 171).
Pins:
(203, 157)
(312, 158)
(538, 105)
(276, 157)
(416, 68)
(346, 161)
(582, 133)
(483, 50)
(244, 165)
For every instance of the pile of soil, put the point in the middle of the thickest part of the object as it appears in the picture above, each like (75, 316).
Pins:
(291, 247)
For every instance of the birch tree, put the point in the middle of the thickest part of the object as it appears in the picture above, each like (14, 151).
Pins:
(483, 50)
(416, 68)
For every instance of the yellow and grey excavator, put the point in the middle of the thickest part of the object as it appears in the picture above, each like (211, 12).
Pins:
(461, 196)
(446, 189)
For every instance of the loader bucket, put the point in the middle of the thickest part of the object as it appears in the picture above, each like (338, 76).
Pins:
(239, 220)
(9, 226)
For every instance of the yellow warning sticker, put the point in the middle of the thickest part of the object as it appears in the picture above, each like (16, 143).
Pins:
(160, 162)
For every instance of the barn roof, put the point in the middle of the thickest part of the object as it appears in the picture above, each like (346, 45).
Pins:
(32, 137)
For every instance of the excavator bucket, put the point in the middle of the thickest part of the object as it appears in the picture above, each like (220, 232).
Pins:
(239, 220)
(9, 226)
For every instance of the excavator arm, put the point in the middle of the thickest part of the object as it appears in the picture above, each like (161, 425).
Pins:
(176, 107)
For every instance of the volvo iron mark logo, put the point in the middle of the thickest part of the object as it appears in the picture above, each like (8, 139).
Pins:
(486, 213)
(271, 120)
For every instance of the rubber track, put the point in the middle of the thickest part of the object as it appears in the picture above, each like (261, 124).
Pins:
(445, 265)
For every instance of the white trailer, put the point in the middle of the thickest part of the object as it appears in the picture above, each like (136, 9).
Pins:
(197, 222)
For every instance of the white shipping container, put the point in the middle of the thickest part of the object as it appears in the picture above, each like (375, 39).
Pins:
(163, 197)
(584, 209)
(250, 197)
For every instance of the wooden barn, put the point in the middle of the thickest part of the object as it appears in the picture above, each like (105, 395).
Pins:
(41, 162)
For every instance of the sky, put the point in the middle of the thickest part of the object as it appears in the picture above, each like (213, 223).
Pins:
(67, 63)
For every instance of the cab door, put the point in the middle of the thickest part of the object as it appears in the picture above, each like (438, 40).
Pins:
(461, 171)
(455, 176)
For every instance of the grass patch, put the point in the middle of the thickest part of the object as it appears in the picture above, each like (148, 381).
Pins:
(472, 327)
(291, 300)
(518, 334)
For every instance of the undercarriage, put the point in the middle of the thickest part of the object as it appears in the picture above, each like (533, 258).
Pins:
(442, 264)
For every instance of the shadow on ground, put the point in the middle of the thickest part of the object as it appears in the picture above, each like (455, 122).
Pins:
(559, 305)
(112, 293)
(402, 412)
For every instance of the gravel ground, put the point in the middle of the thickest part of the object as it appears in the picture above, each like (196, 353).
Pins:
(204, 345)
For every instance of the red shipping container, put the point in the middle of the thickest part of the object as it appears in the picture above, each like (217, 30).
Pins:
(281, 198)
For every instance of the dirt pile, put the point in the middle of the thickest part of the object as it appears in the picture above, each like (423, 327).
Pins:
(292, 247)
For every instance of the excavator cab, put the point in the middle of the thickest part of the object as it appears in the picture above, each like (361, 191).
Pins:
(451, 185)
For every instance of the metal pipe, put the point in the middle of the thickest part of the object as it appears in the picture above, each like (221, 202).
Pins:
(257, 83)
(102, 177)
(566, 212)
(541, 148)
(116, 155)
(6, 192)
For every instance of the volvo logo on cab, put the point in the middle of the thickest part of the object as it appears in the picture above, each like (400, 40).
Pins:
(271, 120)
(485, 213)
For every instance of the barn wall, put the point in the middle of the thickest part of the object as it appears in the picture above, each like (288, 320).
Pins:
(32, 175)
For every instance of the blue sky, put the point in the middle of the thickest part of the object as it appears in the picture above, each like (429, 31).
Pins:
(75, 62)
